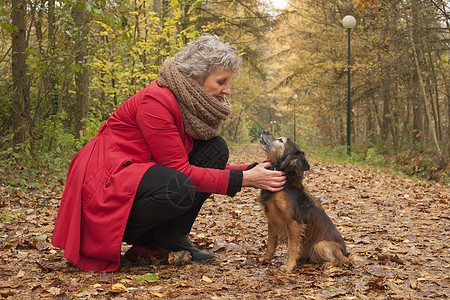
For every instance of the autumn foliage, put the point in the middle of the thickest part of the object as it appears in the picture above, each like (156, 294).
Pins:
(65, 66)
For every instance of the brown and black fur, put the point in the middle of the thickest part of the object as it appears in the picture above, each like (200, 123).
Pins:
(293, 214)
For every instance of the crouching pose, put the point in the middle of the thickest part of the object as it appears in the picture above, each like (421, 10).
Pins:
(145, 176)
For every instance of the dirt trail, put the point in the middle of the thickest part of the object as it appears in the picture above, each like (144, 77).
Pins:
(396, 230)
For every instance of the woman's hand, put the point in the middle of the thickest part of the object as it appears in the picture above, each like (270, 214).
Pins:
(260, 177)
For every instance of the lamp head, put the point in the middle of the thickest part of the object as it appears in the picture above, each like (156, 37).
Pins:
(349, 22)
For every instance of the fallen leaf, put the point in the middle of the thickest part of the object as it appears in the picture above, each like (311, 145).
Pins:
(179, 258)
(380, 271)
(20, 274)
(373, 285)
(42, 267)
(54, 291)
(118, 287)
(149, 277)
(39, 245)
(374, 218)
(106, 277)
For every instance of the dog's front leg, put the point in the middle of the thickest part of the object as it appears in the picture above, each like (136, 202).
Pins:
(272, 242)
(295, 234)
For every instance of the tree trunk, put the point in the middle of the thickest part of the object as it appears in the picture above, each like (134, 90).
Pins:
(80, 18)
(434, 93)
(49, 79)
(447, 105)
(161, 10)
(386, 117)
(21, 89)
(427, 104)
(386, 89)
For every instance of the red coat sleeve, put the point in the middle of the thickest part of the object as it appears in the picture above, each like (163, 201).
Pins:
(159, 119)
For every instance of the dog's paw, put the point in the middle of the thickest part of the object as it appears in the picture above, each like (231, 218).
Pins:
(287, 268)
(329, 264)
(264, 261)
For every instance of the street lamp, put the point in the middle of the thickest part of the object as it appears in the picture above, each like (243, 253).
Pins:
(273, 126)
(349, 22)
(294, 97)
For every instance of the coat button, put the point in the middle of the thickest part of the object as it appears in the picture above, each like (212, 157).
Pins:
(107, 183)
(127, 163)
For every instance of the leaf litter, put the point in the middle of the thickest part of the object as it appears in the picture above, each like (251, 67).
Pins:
(396, 230)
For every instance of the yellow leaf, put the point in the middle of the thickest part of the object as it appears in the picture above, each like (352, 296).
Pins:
(157, 295)
(206, 279)
(118, 287)
(333, 269)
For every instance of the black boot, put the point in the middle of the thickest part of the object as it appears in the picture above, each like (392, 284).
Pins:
(125, 263)
(173, 240)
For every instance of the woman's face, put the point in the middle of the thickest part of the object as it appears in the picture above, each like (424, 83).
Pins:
(217, 83)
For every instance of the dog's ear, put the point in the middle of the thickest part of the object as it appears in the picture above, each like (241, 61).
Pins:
(287, 163)
(295, 162)
(302, 163)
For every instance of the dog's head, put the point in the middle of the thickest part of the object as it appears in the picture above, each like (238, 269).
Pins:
(284, 154)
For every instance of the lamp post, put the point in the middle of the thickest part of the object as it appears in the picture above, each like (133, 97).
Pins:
(273, 126)
(294, 98)
(349, 22)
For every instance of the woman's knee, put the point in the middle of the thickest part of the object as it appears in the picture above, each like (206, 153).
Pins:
(212, 153)
(221, 146)
(222, 153)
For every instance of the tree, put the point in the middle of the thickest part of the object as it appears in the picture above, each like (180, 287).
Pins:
(20, 87)
(81, 18)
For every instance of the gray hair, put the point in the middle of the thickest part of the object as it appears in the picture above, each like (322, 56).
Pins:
(205, 54)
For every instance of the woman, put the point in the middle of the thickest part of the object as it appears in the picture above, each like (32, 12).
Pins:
(144, 177)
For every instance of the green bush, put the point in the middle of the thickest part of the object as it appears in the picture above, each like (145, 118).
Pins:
(255, 131)
(374, 158)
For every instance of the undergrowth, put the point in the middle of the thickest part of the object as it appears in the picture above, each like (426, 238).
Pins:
(21, 168)
(419, 165)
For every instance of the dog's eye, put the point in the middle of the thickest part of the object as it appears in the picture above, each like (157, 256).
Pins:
(280, 140)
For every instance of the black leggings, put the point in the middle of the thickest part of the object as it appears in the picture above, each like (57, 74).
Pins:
(167, 198)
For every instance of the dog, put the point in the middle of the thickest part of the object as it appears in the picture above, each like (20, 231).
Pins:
(293, 214)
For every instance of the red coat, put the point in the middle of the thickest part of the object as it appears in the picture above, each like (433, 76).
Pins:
(103, 177)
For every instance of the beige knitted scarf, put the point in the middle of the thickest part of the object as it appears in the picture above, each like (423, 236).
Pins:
(202, 113)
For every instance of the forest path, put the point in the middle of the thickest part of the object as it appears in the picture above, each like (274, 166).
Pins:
(396, 230)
